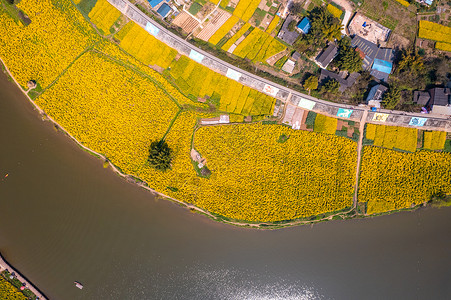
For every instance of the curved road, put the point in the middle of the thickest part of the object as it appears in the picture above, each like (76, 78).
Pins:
(285, 94)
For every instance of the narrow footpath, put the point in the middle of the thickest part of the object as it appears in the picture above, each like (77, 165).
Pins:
(359, 156)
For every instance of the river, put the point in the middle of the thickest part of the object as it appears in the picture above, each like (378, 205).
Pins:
(63, 217)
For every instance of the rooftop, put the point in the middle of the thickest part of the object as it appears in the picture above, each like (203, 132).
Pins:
(368, 49)
(421, 98)
(326, 56)
(154, 3)
(382, 66)
(369, 29)
(440, 96)
(164, 10)
(345, 82)
(296, 55)
(380, 60)
(376, 92)
(304, 26)
(289, 66)
(285, 35)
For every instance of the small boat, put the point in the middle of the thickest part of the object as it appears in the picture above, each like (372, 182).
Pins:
(78, 284)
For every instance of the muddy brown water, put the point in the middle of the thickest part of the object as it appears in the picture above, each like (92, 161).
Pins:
(63, 217)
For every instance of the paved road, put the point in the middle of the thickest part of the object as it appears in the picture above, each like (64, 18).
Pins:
(285, 94)
(5, 266)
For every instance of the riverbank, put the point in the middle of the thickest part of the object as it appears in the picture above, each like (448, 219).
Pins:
(347, 213)
(28, 285)
(260, 225)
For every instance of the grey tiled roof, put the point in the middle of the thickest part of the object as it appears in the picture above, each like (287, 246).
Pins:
(344, 83)
(288, 36)
(421, 98)
(379, 75)
(327, 55)
(440, 96)
(372, 51)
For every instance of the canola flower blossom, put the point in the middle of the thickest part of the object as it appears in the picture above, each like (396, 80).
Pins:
(111, 101)
(391, 180)
(57, 34)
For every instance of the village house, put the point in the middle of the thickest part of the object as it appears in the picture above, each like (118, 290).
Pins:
(375, 95)
(436, 100)
(379, 61)
(326, 56)
(345, 80)
(286, 35)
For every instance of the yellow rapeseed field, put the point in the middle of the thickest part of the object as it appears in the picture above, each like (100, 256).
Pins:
(145, 47)
(391, 180)
(258, 46)
(9, 292)
(103, 15)
(434, 140)
(392, 137)
(40, 51)
(113, 51)
(110, 109)
(258, 179)
(335, 11)
(275, 21)
(223, 30)
(199, 81)
(110, 100)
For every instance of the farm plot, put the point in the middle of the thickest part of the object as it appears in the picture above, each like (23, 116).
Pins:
(434, 140)
(258, 46)
(236, 36)
(223, 30)
(393, 15)
(199, 81)
(275, 21)
(40, 51)
(110, 109)
(246, 8)
(391, 180)
(436, 32)
(256, 178)
(145, 47)
(104, 15)
(392, 137)
(325, 124)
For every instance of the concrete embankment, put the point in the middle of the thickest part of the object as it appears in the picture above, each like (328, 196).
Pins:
(6, 266)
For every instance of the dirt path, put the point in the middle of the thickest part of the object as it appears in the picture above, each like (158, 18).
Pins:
(359, 156)
(346, 5)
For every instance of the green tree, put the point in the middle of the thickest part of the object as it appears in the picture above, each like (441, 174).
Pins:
(411, 62)
(330, 87)
(296, 8)
(160, 155)
(311, 83)
(332, 32)
(348, 59)
(391, 97)
(292, 25)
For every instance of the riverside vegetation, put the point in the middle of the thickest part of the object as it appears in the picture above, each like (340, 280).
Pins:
(103, 92)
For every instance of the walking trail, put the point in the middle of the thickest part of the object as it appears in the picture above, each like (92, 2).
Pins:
(359, 155)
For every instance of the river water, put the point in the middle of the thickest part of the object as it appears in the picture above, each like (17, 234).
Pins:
(63, 217)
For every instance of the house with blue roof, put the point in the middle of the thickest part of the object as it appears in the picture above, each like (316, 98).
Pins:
(164, 10)
(381, 69)
(154, 3)
(379, 61)
(304, 26)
